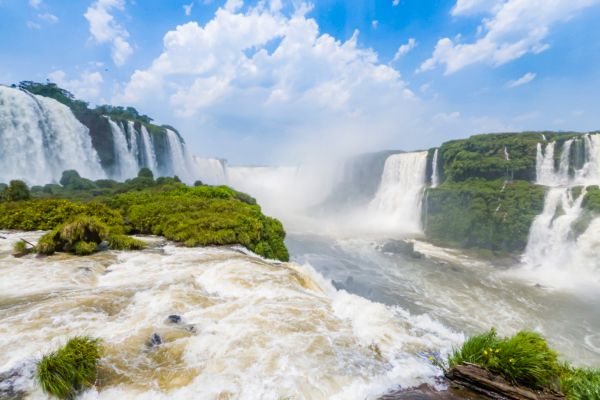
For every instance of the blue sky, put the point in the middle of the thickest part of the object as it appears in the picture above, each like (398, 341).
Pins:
(277, 81)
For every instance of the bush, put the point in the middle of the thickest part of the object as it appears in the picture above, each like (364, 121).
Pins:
(81, 236)
(71, 369)
(20, 248)
(124, 242)
(524, 358)
(145, 173)
(72, 181)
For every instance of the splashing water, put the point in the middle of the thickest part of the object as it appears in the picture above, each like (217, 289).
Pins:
(180, 160)
(250, 328)
(149, 153)
(211, 171)
(40, 138)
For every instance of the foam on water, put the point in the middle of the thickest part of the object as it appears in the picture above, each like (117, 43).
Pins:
(251, 329)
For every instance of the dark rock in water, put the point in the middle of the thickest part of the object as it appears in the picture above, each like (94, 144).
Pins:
(190, 328)
(155, 340)
(426, 392)
(8, 382)
(401, 247)
(174, 319)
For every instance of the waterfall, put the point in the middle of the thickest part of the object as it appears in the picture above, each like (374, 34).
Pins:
(40, 138)
(134, 147)
(210, 171)
(126, 163)
(397, 203)
(435, 179)
(149, 153)
(545, 164)
(506, 155)
(565, 158)
(179, 159)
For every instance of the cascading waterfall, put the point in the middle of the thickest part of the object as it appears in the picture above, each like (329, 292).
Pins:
(397, 204)
(126, 163)
(587, 174)
(545, 164)
(180, 161)
(149, 153)
(134, 147)
(435, 178)
(556, 244)
(40, 138)
(211, 171)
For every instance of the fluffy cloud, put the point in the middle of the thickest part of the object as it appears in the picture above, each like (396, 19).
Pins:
(35, 3)
(268, 76)
(516, 28)
(48, 17)
(405, 48)
(87, 87)
(187, 8)
(465, 7)
(104, 28)
(525, 79)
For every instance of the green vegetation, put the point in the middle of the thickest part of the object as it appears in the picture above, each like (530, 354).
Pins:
(526, 359)
(483, 156)
(124, 242)
(15, 191)
(71, 369)
(20, 248)
(483, 214)
(580, 383)
(80, 216)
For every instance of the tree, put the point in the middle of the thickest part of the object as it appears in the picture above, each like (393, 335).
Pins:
(145, 173)
(16, 190)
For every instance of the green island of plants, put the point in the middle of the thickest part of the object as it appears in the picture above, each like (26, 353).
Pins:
(81, 214)
(525, 359)
(71, 369)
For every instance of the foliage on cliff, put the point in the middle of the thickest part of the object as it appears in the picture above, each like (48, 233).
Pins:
(482, 214)
(94, 119)
(495, 156)
(193, 216)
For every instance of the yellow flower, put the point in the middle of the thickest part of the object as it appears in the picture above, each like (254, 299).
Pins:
(512, 360)
(485, 353)
(431, 358)
(497, 350)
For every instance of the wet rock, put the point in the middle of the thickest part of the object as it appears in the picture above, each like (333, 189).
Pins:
(426, 392)
(174, 319)
(401, 247)
(190, 328)
(155, 340)
(9, 382)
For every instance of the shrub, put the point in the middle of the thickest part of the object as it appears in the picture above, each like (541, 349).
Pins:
(524, 358)
(124, 242)
(145, 173)
(71, 369)
(580, 383)
(81, 236)
(20, 248)
(71, 180)
(46, 245)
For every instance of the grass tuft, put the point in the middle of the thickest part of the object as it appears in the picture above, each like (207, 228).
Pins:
(85, 248)
(124, 242)
(71, 369)
(580, 383)
(524, 358)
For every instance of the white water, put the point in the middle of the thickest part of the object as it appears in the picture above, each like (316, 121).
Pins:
(134, 147)
(180, 161)
(40, 138)
(251, 329)
(126, 165)
(397, 204)
(210, 171)
(589, 174)
(149, 153)
(435, 178)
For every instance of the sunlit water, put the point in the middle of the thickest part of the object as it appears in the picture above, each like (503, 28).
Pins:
(250, 329)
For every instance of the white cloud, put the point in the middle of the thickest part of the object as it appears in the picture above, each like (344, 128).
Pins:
(375, 24)
(33, 25)
(395, 2)
(405, 48)
(275, 78)
(187, 8)
(104, 28)
(466, 7)
(516, 28)
(48, 17)
(87, 87)
(525, 79)
(35, 3)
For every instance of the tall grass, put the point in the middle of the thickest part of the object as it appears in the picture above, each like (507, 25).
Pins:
(524, 358)
(71, 369)
(580, 383)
